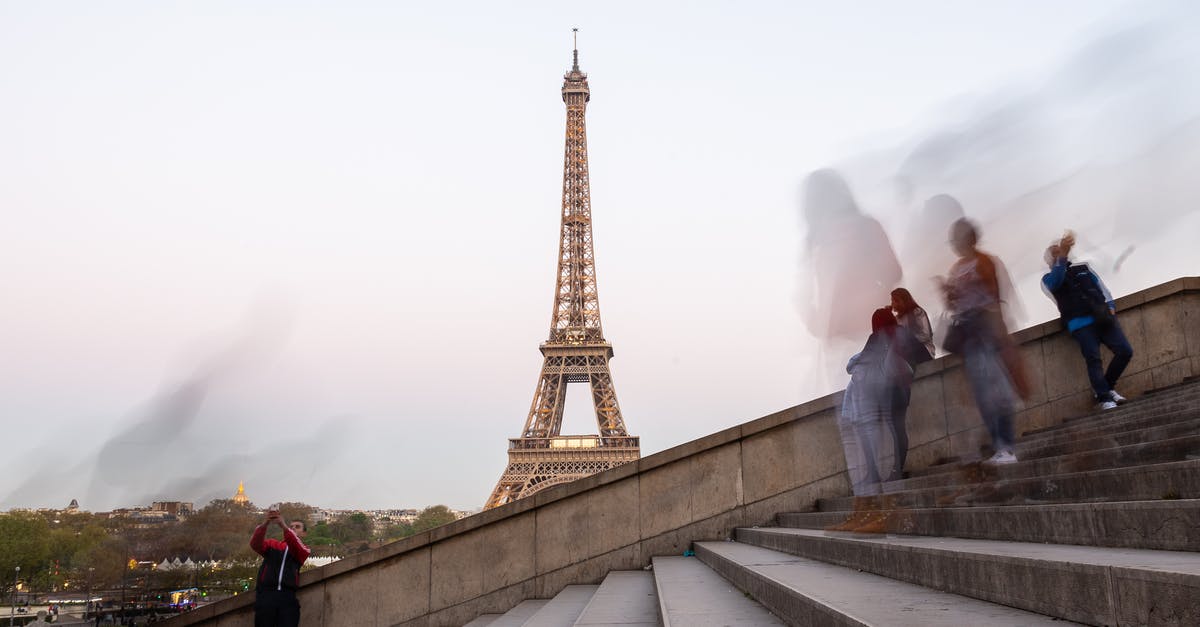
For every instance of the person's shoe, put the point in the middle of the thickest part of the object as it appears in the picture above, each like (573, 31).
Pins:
(1003, 457)
(1115, 397)
(864, 508)
(1106, 405)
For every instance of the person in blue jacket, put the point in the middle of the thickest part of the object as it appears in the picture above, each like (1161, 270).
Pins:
(1090, 315)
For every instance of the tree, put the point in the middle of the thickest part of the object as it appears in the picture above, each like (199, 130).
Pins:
(398, 530)
(296, 511)
(433, 516)
(24, 542)
(349, 528)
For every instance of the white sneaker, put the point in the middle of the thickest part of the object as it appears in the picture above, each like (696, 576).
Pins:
(1107, 405)
(1003, 457)
(1116, 398)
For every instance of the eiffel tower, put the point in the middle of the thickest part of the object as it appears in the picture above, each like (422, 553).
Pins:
(576, 351)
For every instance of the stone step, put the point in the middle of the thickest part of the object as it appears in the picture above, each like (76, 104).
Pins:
(1146, 411)
(625, 597)
(1149, 482)
(1093, 585)
(809, 592)
(1160, 525)
(691, 594)
(1155, 452)
(1090, 428)
(1151, 400)
(564, 608)
(519, 614)
(482, 620)
(1186, 425)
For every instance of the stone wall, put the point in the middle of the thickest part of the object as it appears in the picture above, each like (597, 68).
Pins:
(576, 533)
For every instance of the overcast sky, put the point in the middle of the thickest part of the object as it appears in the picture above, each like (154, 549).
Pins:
(311, 246)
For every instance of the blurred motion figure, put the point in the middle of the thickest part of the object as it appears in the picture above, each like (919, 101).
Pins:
(851, 267)
(1090, 315)
(972, 291)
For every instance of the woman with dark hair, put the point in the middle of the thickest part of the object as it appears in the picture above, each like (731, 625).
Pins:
(875, 372)
(912, 316)
(918, 349)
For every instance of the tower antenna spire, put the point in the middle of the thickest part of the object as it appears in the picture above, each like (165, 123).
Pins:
(575, 42)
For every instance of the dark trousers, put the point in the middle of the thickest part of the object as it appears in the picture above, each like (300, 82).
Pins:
(1090, 338)
(899, 414)
(276, 608)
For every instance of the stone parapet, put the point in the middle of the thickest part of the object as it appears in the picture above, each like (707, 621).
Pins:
(701, 490)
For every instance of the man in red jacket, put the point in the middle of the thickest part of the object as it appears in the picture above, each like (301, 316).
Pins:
(275, 601)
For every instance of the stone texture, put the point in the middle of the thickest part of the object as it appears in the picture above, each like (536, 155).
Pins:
(1163, 321)
(239, 619)
(664, 498)
(456, 571)
(562, 533)
(508, 552)
(1171, 373)
(1064, 371)
(404, 587)
(716, 484)
(961, 413)
(353, 597)
(926, 412)
(312, 605)
(612, 512)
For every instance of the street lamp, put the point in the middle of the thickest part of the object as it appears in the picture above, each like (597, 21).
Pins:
(12, 610)
(89, 595)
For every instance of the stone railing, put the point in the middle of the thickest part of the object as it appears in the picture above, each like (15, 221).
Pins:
(577, 532)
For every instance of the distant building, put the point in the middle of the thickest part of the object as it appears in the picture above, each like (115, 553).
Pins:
(174, 508)
(240, 498)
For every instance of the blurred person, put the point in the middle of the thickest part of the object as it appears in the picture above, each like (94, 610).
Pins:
(1089, 314)
(916, 347)
(972, 291)
(922, 260)
(850, 267)
(275, 602)
(867, 405)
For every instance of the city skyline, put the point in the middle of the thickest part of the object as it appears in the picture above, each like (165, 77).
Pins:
(256, 242)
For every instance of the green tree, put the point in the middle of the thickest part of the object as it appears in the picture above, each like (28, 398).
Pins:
(349, 528)
(433, 516)
(24, 542)
(320, 534)
(396, 531)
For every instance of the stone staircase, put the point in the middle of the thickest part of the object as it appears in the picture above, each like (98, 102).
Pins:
(1099, 523)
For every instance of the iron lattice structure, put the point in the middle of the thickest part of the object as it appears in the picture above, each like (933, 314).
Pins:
(576, 351)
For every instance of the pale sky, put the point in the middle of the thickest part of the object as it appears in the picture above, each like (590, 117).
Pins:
(341, 218)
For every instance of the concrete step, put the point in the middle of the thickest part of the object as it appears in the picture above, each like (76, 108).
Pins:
(1098, 586)
(1078, 431)
(1149, 412)
(1161, 525)
(1150, 482)
(809, 592)
(625, 597)
(519, 614)
(564, 608)
(1155, 452)
(485, 619)
(1086, 441)
(691, 594)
